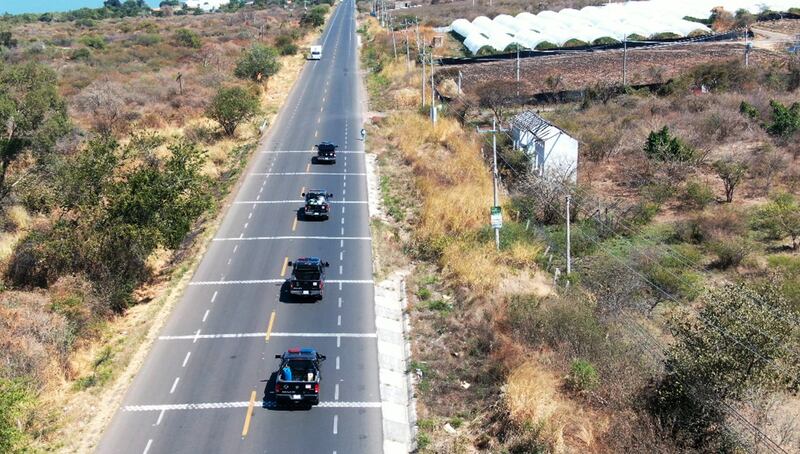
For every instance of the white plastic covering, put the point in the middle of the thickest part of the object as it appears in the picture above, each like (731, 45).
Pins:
(614, 20)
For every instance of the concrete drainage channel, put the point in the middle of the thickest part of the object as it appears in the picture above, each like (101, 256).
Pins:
(394, 350)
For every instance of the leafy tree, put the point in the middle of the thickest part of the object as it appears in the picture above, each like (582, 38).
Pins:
(312, 18)
(285, 44)
(93, 41)
(14, 398)
(785, 121)
(231, 106)
(742, 339)
(731, 172)
(32, 113)
(7, 40)
(663, 146)
(780, 218)
(258, 63)
(188, 38)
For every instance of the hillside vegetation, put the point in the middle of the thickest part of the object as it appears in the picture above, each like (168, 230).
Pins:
(123, 132)
(677, 329)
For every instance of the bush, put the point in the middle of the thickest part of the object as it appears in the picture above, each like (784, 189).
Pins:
(93, 41)
(545, 45)
(730, 252)
(604, 41)
(286, 45)
(15, 402)
(231, 106)
(148, 39)
(258, 63)
(80, 54)
(312, 19)
(188, 38)
(582, 376)
(723, 76)
(575, 43)
(663, 146)
(698, 195)
(749, 110)
(785, 121)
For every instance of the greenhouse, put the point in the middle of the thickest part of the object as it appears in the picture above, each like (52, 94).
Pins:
(612, 21)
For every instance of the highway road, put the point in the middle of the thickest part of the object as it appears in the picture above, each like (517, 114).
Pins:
(203, 386)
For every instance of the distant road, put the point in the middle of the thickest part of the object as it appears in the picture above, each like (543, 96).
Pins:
(214, 357)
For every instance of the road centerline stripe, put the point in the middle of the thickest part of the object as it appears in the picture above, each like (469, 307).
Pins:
(269, 327)
(249, 414)
(285, 264)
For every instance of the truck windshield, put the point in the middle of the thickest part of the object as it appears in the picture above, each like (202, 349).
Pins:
(306, 274)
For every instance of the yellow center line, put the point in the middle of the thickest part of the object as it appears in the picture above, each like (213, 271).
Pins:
(294, 224)
(303, 190)
(249, 414)
(283, 270)
(269, 328)
(308, 167)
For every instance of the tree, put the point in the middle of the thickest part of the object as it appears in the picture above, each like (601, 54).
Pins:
(257, 63)
(497, 96)
(742, 339)
(785, 120)
(32, 114)
(231, 106)
(105, 102)
(662, 146)
(731, 172)
(781, 218)
(188, 38)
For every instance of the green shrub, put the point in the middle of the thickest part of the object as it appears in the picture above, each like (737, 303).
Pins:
(15, 402)
(423, 293)
(93, 41)
(80, 54)
(231, 106)
(148, 39)
(658, 193)
(582, 376)
(725, 76)
(730, 252)
(546, 45)
(312, 19)
(664, 35)
(257, 63)
(188, 38)
(663, 146)
(636, 37)
(285, 45)
(698, 194)
(785, 120)
(749, 110)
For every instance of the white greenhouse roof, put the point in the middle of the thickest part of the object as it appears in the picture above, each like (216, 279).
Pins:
(614, 20)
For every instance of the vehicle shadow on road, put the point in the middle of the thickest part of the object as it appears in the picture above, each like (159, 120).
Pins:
(288, 298)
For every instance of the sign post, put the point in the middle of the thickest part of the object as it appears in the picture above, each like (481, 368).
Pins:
(497, 224)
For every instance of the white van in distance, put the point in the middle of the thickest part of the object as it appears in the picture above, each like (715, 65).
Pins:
(316, 53)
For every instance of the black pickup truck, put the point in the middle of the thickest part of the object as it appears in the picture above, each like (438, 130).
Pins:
(317, 205)
(326, 153)
(308, 277)
(298, 377)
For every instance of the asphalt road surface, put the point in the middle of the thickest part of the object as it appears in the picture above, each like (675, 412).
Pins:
(204, 385)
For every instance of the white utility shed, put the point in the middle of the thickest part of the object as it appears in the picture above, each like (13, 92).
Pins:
(553, 153)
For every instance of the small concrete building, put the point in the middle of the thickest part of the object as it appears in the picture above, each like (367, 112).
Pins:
(552, 152)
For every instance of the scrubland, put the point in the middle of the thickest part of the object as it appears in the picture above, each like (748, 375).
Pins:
(679, 318)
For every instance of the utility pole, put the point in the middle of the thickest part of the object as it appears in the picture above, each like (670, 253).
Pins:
(408, 53)
(394, 43)
(495, 175)
(433, 93)
(569, 257)
(625, 61)
(459, 81)
(517, 46)
(422, 57)
(747, 47)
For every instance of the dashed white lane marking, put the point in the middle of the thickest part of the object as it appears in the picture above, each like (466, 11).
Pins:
(337, 363)
(229, 261)
(336, 392)
(245, 224)
(340, 301)
(186, 360)
(196, 336)
(205, 316)
(273, 334)
(265, 238)
(341, 243)
(174, 385)
(214, 297)
(341, 255)
(343, 209)
(235, 247)
(160, 417)
(342, 220)
(262, 202)
(338, 320)
(340, 269)
(250, 216)
(342, 230)
(243, 404)
(147, 448)
(339, 342)
(335, 424)
(304, 173)
(279, 281)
